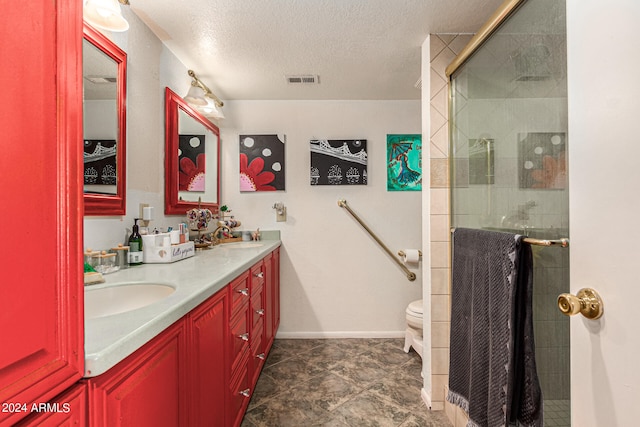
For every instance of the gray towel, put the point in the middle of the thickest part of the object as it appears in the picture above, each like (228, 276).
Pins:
(492, 373)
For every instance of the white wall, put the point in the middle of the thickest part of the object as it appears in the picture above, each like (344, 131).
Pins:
(603, 113)
(336, 281)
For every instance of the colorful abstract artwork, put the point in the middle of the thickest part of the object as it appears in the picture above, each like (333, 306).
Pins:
(404, 162)
(338, 162)
(191, 162)
(262, 165)
(100, 162)
(542, 160)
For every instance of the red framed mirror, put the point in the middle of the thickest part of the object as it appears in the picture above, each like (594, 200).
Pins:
(104, 81)
(192, 158)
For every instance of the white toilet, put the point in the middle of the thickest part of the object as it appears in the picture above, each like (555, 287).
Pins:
(413, 334)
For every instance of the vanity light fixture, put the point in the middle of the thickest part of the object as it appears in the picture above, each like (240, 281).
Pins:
(105, 14)
(202, 97)
(211, 110)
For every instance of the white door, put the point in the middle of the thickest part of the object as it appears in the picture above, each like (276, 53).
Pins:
(604, 177)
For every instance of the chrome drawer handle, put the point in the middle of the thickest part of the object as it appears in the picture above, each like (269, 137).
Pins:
(261, 356)
(244, 337)
(246, 392)
(260, 312)
(260, 275)
(244, 291)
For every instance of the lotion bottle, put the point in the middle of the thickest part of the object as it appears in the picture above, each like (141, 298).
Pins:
(135, 245)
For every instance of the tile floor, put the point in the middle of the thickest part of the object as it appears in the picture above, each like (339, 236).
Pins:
(340, 383)
(557, 413)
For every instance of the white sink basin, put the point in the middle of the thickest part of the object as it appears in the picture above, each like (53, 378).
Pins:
(120, 298)
(243, 245)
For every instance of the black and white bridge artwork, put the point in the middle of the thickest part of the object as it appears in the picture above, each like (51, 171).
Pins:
(338, 162)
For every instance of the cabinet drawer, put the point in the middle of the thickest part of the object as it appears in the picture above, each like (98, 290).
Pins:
(240, 335)
(257, 354)
(257, 308)
(240, 392)
(257, 276)
(240, 292)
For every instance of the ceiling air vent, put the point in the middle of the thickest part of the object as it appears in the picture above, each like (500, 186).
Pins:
(101, 79)
(304, 79)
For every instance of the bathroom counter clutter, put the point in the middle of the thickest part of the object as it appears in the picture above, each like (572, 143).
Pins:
(113, 332)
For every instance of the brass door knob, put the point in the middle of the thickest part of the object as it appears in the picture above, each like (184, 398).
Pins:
(587, 302)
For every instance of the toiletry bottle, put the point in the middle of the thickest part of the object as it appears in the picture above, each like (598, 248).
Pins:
(135, 245)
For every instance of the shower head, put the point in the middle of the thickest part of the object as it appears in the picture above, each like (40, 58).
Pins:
(532, 63)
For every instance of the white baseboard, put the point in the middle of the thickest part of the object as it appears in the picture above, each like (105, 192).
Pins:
(340, 334)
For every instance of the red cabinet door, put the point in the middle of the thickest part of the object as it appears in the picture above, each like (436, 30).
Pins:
(268, 295)
(68, 409)
(41, 319)
(207, 361)
(148, 388)
(275, 262)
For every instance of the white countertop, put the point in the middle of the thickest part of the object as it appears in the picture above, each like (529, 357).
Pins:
(110, 339)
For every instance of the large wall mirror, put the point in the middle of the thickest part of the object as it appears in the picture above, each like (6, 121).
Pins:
(104, 71)
(192, 158)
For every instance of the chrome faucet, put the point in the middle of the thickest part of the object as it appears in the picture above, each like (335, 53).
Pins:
(518, 218)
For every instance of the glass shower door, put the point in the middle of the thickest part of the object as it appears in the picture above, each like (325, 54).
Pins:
(508, 166)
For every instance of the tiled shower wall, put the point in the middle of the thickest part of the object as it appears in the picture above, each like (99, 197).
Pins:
(444, 48)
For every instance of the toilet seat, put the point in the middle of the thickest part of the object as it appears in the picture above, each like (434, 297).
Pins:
(415, 308)
(414, 314)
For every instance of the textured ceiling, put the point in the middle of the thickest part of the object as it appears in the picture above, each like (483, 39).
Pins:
(364, 49)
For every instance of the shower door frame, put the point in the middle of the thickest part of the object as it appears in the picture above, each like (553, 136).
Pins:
(502, 14)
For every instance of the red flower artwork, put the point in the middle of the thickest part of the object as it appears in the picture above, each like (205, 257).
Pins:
(553, 173)
(191, 177)
(252, 177)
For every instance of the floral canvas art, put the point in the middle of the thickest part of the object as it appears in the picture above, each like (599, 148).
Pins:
(542, 159)
(404, 162)
(339, 162)
(191, 162)
(262, 163)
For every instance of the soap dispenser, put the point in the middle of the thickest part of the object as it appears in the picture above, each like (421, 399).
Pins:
(135, 245)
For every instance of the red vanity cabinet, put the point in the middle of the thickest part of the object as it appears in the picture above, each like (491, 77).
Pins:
(68, 409)
(257, 315)
(148, 388)
(250, 339)
(202, 370)
(272, 296)
(269, 296)
(208, 361)
(238, 347)
(42, 334)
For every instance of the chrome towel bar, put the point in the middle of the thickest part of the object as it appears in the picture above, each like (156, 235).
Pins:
(410, 275)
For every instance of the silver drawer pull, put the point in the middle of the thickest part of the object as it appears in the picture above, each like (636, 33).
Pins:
(246, 392)
(261, 356)
(260, 275)
(244, 337)
(260, 312)
(244, 291)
